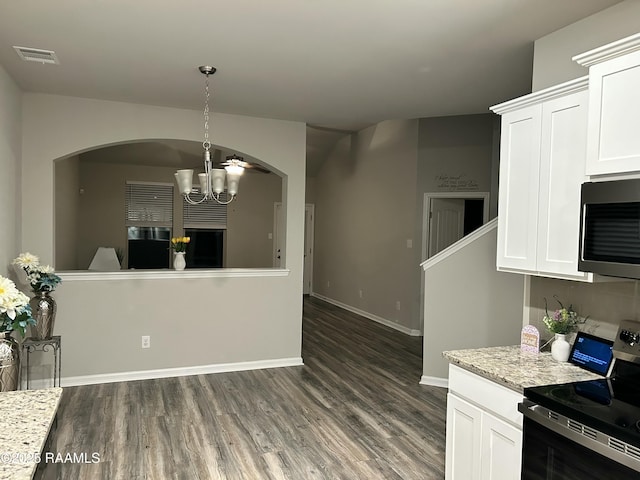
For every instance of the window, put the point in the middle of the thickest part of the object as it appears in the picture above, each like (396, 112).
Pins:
(206, 249)
(208, 214)
(149, 204)
(148, 247)
(206, 224)
(149, 220)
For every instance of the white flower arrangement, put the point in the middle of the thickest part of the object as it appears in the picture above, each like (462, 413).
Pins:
(15, 312)
(41, 277)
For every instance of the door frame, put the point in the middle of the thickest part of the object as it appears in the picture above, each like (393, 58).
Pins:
(276, 236)
(307, 267)
(309, 210)
(426, 208)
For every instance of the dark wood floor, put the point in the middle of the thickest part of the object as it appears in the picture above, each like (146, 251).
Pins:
(354, 411)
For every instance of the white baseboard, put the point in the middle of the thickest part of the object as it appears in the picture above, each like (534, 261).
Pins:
(434, 381)
(178, 372)
(370, 316)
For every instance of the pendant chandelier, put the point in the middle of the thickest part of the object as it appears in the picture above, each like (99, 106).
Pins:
(212, 181)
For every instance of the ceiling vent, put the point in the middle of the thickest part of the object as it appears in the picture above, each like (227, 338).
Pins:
(37, 55)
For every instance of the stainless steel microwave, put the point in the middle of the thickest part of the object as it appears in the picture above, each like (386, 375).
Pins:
(610, 228)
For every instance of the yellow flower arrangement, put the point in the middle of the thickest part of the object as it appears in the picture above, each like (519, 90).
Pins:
(179, 244)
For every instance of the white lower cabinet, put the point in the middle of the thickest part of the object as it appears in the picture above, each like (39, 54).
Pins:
(501, 449)
(481, 443)
(463, 439)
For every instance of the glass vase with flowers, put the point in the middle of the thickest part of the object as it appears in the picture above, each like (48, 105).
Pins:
(15, 315)
(43, 281)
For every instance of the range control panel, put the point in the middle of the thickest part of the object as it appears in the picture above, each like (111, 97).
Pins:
(627, 343)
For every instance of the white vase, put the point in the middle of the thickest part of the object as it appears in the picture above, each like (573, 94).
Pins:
(560, 348)
(178, 261)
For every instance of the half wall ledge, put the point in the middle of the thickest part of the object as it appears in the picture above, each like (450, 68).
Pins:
(82, 275)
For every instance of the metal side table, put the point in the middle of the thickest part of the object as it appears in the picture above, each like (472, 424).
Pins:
(52, 344)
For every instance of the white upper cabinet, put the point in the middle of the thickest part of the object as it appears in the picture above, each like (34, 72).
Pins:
(518, 193)
(562, 157)
(613, 144)
(542, 165)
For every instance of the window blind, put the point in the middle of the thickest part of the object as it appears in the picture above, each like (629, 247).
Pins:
(209, 214)
(149, 204)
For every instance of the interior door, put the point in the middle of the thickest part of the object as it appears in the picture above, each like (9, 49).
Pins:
(446, 223)
(308, 249)
(278, 236)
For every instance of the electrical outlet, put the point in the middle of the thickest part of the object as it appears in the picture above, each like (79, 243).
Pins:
(360, 293)
(398, 305)
(328, 284)
(146, 341)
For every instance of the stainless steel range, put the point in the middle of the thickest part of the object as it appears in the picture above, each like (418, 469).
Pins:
(587, 430)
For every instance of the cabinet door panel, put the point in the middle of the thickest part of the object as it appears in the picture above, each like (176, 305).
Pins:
(463, 440)
(614, 113)
(501, 450)
(562, 165)
(498, 399)
(518, 196)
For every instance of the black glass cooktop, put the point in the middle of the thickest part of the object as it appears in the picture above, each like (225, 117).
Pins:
(610, 405)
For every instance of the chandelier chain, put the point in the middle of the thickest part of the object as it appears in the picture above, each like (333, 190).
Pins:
(206, 144)
(212, 181)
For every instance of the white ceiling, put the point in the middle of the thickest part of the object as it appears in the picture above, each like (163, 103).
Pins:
(336, 63)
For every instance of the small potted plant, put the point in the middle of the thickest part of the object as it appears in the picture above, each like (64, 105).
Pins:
(179, 247)
(561, 322)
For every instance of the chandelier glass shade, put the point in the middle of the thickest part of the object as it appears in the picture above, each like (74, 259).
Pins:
(212, 181)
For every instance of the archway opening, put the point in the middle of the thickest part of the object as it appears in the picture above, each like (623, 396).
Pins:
(91, 198)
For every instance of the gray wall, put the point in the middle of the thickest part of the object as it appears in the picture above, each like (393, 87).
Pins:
(193, 323)
(367, 190)
(10, 152)
(365, 213)
(95, 217)
(250, 221)
(310, 190)
(223, 319)
(468, 304)
(605, 303)
(552, 62)
(68, 245)
(454, 154)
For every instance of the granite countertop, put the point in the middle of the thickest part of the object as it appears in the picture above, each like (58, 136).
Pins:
(511, 367)
(25, 419)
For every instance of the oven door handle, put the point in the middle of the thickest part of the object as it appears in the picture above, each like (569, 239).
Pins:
(581, 434)
(524, 407)
(536, 412)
